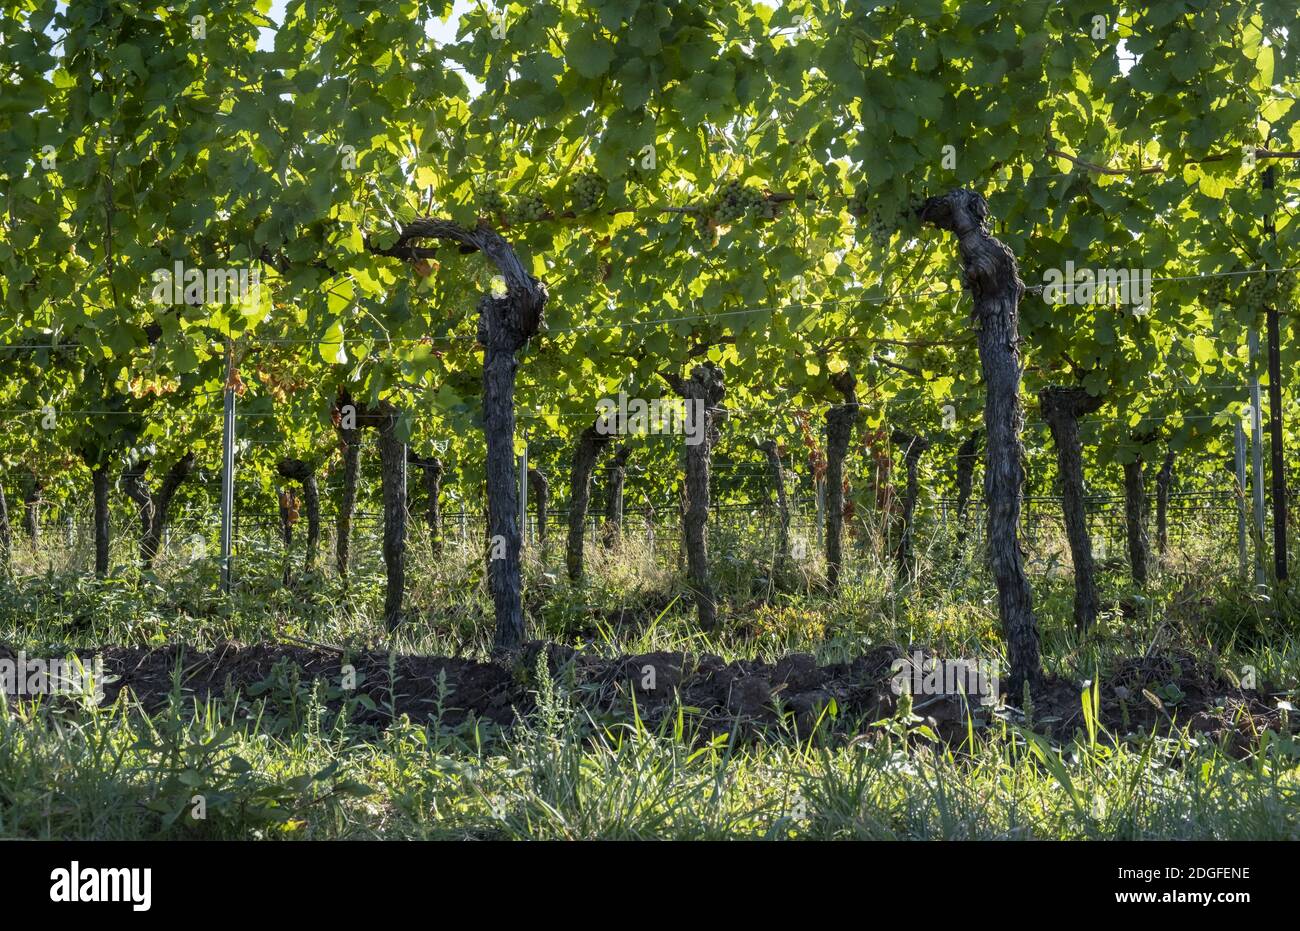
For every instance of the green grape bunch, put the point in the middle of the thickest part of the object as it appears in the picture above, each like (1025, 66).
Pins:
(490, 201)
(882, 216)
(527, 208)
(881, 227)
(1281, 286)
(1266, 289)
(735, 202)
(1215, 292)
(587, 192)
(1254, 293)
(860, 202)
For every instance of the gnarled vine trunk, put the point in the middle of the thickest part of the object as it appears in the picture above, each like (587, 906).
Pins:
(288, 514)
(777, 472)
(703, 391)
(1061, 408)
(505, 325)
(590, 442)
(298, 471)
(392, 465)
(612, 531)
(154, 507)
(431, 471)
(681, 522)
(913, 448)
(350, 446)
(1164, 479)
(6, 534)
(993, 278)
(539, 489)
(967, 457)
(32, 510)
(1135, 519)
(100, 488)
(839, 433)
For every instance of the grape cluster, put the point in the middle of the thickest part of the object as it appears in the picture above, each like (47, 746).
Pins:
(881, 226)
(588, 191)
(914, 204)
(859, 203)
(1269, 289)
(527, 209)
(882, 218)
(1215, 292)
(1254, 293)
(490, 201)
(735, 201)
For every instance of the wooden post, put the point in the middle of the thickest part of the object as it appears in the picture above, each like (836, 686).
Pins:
(523, 496)
(227, 472)
(1277, 463)
(1257, 456)
(1239, 460)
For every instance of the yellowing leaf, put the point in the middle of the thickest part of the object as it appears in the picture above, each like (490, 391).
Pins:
(1203, 349)
(331, 347)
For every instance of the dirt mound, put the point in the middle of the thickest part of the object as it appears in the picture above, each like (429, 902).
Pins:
(1151, 692)
(794, 693)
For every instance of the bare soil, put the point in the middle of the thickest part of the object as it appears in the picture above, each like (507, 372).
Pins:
(794, 696)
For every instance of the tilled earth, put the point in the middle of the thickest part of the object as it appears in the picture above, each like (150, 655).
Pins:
(794, 694)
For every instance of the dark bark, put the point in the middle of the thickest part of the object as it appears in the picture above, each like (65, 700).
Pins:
(286, 520)
(392, 465)
(967, 457)
(612, 531)
(1135, 518)
(681, 522)
(6, 534)
(32, 511)
(913, 448)
(100, 486)
(1062, 408)
(540, 491)
(287, 504)
(703, 391)
(777, 471)
(134, 487)
(1164, 479)
(991, 274)
(505, 325)
(431, 470)
(347, 499)
(298, 471)
(590, 442)
(839, 433)
(154, 507)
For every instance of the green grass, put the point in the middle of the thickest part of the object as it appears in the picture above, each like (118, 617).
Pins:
(280, 764)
